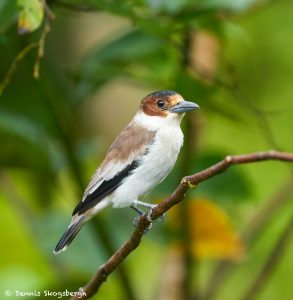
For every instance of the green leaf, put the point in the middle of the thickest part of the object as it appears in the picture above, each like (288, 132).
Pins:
(23, 143)
(235, 5)
(116, 57)
(121, 7)
(21, 127)
(167, 5)
(231, 186)
(131, 45)
(192, 88)
(8, 11)
(31, 15)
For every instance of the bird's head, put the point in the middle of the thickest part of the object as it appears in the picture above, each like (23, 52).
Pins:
(166, 104)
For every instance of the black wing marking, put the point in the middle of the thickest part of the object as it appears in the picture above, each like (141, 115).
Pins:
(107, 187)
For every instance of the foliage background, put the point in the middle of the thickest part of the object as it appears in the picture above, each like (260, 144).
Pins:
(234, 58)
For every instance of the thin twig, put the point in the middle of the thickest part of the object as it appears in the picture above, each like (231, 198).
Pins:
(49, 13)
(41, 50)
(233, 86)
(258, 222)
(187, 182)
(253, 229)
(20, 56)
(271, 262)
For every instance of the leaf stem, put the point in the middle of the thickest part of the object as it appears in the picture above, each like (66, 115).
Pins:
(20, 56)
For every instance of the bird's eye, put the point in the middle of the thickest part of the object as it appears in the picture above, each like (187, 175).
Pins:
(161, 104)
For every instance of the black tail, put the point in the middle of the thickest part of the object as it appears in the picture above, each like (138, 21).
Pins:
(69, 234)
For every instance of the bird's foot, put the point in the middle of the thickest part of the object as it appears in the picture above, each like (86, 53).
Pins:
(138, 210)
(149, 213)
(135, 223)
(137, 203)
(141, 212)
(150, 207)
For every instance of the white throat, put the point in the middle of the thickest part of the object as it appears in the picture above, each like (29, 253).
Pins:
(156, 122)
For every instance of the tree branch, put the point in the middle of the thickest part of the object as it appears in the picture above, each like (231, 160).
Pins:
(187, 182)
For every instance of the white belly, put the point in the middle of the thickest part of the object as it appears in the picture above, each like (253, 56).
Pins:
(154, 167)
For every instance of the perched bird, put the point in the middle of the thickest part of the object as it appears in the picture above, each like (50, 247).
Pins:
(140, 157)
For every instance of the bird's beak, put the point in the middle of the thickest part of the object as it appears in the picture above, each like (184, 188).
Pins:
(184, 106)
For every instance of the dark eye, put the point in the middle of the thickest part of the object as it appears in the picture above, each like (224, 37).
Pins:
(161, 103)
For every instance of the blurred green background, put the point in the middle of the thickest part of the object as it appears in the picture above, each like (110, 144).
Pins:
(232, 237)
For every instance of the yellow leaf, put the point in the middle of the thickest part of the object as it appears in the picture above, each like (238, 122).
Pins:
(212, 233)
(31, 14)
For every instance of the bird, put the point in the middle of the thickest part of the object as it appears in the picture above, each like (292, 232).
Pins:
(140, 157)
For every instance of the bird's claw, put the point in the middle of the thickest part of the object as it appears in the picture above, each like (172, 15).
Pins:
(147, 215)
(161, 218)
(135, 223)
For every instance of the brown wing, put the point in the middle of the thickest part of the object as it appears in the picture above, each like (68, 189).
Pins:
(123, 156)
(132, 139)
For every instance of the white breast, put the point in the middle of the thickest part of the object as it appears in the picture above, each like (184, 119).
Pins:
(155, 166)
